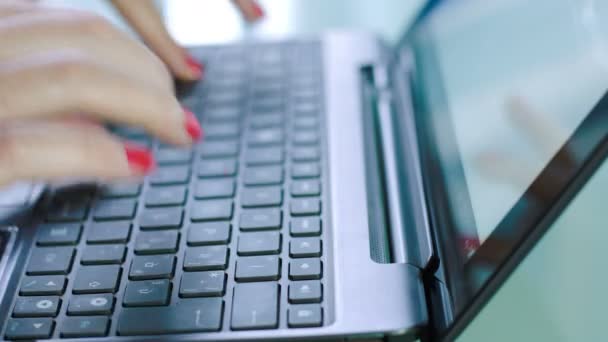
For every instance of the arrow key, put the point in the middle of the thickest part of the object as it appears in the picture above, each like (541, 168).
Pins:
(305, 247)
(29, 328)
(97, 279)
(42, 285)
(304, 269)
(309, 315)
(309, 291)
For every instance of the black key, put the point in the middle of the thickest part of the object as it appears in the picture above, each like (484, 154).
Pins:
(203, 284)
(259, 243)
(265, 175)
(29, 328)
(303, 154)
(120, 190)
(187, 316)
(206, 258)
(54, 234)
(103, 255)
(209, 233)
(264, 155)
(305, 206)
(266, 104)
(68, 210)
(171, 175)
(215, 188)
(306, 108)
(173, 155)
(109, 232)
(305, 137)
(305, 188)
(223, 113)
(50, 260)
(219, 149)
(157, 242)
(258, 268)
(219, 131)
(305, 170)
(309, 94)
(262, 197)
(305, 226)
(165, 196)
(305, 247)
(267, 89)
(42, 285)
(161, 218)
(147, 293)
(144, 142)
(217, 168)
(93, 304)
(152, 267)
(306, 291)
(255, 306)
(305, 315)
(85, 327)
(121, 209)
(261, 219)
(211, 210)
(129, 132)
(305, 122)
(264, 137)
(97, 279)
(305, 269)
(36, 307)
(223, 98)
(266, 121)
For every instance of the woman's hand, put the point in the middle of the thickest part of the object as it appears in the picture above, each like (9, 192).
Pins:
(145, 19)
(62, 74)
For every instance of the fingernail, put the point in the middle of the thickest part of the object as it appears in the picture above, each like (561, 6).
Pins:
(257, 10)
(195, 66)
(140, 159)
(192, 126)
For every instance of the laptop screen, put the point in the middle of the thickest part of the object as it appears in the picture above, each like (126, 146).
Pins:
(504, 85)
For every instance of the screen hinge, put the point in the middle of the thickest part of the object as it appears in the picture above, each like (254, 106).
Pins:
(405, 203)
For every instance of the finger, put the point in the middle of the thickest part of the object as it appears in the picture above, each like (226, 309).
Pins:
(146, 20)
(250, 9)
(67, 81)
(537, 126)
(8, 8)
(501, 167)
(61, 150)
(40, 31)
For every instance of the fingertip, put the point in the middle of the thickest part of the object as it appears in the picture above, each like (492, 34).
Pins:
(140, 160)
(196, 68)
(258, 12)
(193, 127)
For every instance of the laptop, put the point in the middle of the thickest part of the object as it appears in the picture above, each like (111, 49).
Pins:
(344, 189)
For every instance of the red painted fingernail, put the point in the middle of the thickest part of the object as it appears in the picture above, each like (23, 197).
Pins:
(140, 159)
(195, 66)
(257, 10)
(192, 126)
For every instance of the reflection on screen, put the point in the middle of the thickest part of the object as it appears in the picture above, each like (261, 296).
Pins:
(519, 76)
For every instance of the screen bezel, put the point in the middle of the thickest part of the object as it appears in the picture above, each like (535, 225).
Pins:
(589, 143)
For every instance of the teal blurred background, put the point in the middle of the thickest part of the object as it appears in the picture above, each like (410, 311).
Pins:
(558, 292)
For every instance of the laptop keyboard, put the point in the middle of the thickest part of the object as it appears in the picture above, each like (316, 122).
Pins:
(224, 236)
